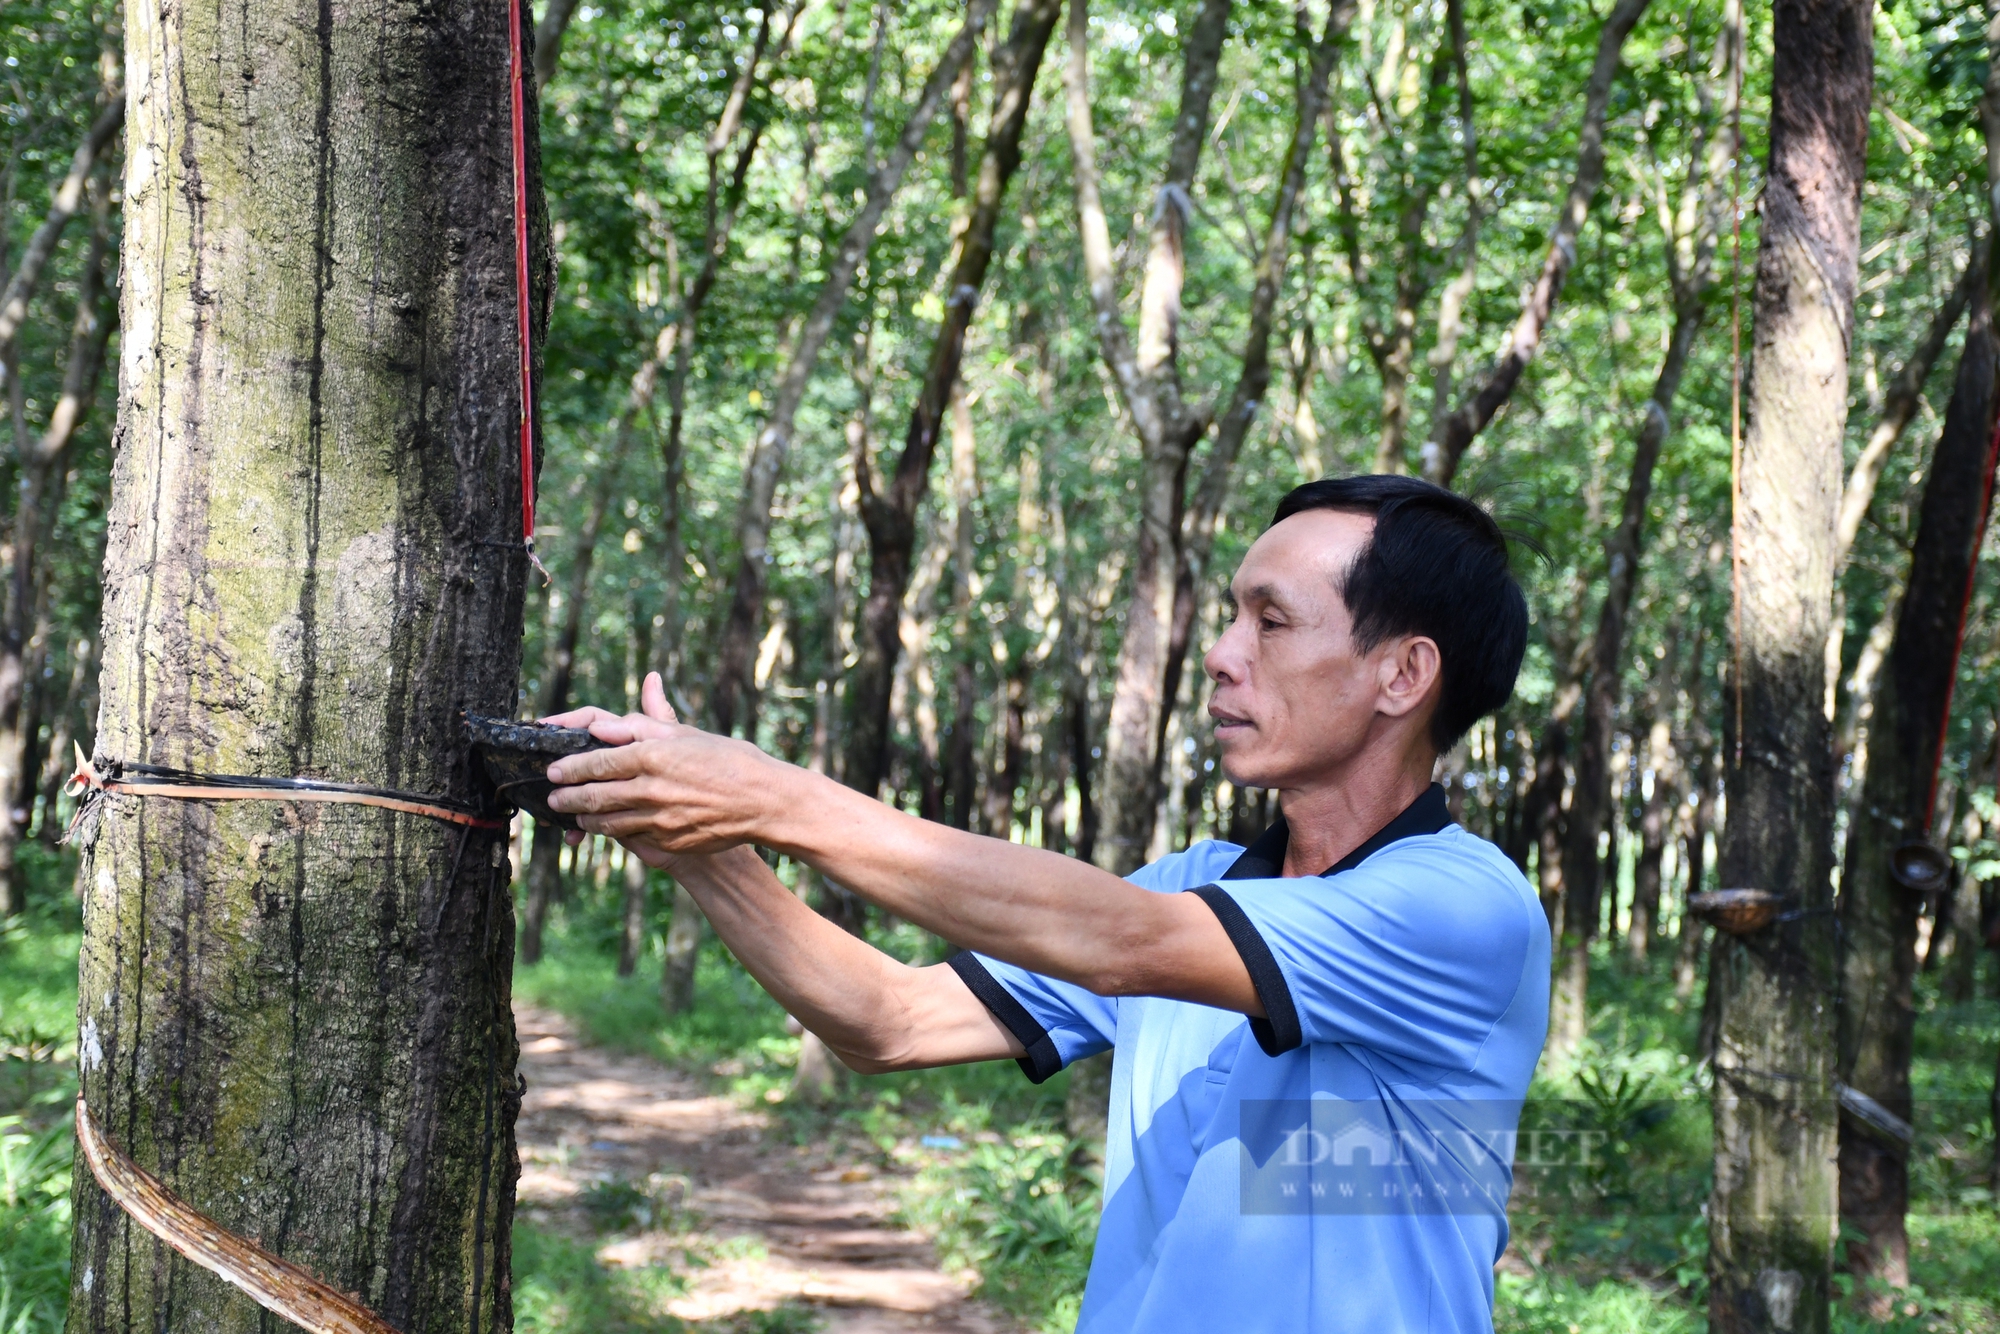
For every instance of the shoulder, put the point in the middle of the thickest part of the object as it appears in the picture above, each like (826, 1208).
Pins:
(1203, 863)
(1452, 890)
(1458, 883)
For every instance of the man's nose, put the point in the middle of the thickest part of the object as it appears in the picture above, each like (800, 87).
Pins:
(1222, 661)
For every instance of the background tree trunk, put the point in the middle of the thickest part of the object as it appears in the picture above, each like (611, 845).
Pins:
(1453, 434)
(1772, 1214)
(1148, 380)
(297, 1015)
(733, 688)
(545, 861)
(24, 623)
(891, 515)
(1690, 274)
(1878, 917)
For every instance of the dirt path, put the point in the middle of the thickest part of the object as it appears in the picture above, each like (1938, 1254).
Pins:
(777, 1222)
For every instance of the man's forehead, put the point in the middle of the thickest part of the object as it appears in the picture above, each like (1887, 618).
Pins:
(1300, 554)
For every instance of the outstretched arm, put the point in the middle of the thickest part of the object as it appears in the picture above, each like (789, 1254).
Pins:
(668, 791)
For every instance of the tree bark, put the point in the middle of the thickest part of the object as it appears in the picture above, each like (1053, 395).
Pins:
(1393, 349)
(1772, 1214)
(1174, 540)
(891, 513)
(1645, 919)
(1878, 918)
(1590, 795)
(632, 938)
(1688, 946)
(683, 949)
(961, 769)
(297, 1015)
(1451, 302)
(1452, 435)
(1899, 407)
(733, 687)
(721, 206)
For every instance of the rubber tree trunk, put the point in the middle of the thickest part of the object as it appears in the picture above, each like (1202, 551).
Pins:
(1160, 614)
(1148, 378)
(1878, 917)
(1253, 380)
(683, 949)
(1590, 795)
(721, 205)
(891, 514)
(297, 1015)
(64, 205)
(1646, 869)
(1772, 1214)
(1412, 172)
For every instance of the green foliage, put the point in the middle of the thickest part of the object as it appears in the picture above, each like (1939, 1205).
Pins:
(1017, 1209)
(37, 1092)
(1546, 1304)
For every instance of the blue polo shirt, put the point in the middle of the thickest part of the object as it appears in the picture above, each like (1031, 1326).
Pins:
(1343, 1163)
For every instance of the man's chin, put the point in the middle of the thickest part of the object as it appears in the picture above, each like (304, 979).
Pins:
(1243, 767)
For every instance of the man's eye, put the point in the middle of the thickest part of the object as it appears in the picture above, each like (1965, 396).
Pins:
(1266, 623)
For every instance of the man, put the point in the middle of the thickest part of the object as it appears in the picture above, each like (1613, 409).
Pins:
(1321, 1042)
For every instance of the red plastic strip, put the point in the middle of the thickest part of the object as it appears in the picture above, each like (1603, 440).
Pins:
(518, 97)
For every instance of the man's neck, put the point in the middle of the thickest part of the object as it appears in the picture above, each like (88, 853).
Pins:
(1328, 822)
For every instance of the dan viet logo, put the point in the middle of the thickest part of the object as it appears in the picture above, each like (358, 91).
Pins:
(1328, 1156)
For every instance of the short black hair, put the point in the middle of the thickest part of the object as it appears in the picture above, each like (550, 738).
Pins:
(1436, 565)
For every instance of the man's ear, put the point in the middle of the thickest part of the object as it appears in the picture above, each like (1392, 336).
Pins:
(1410, 673)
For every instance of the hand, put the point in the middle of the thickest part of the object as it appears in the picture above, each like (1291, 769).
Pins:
(664, 789)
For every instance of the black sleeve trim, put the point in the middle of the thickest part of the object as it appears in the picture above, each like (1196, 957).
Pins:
(1278, 1031)
(1042, 1059)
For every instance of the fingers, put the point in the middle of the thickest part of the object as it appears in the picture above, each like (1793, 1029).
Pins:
(581, 718)
(596, 768)
(653, 700)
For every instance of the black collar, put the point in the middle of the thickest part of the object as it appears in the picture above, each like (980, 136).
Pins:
(1265, 859)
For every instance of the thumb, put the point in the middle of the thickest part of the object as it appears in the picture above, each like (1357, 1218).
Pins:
(653, 700)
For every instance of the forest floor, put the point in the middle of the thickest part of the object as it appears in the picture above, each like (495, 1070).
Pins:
(700, 1184)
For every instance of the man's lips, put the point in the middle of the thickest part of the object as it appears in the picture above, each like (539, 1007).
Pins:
(1227, 720)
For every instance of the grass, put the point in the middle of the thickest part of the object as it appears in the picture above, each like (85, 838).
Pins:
(38, 953)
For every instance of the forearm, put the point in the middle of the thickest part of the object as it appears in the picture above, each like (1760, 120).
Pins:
(875, 1012)
(838, 986)
(1038, 909)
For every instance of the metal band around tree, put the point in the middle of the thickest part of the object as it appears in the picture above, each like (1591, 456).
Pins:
(277, 1285)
